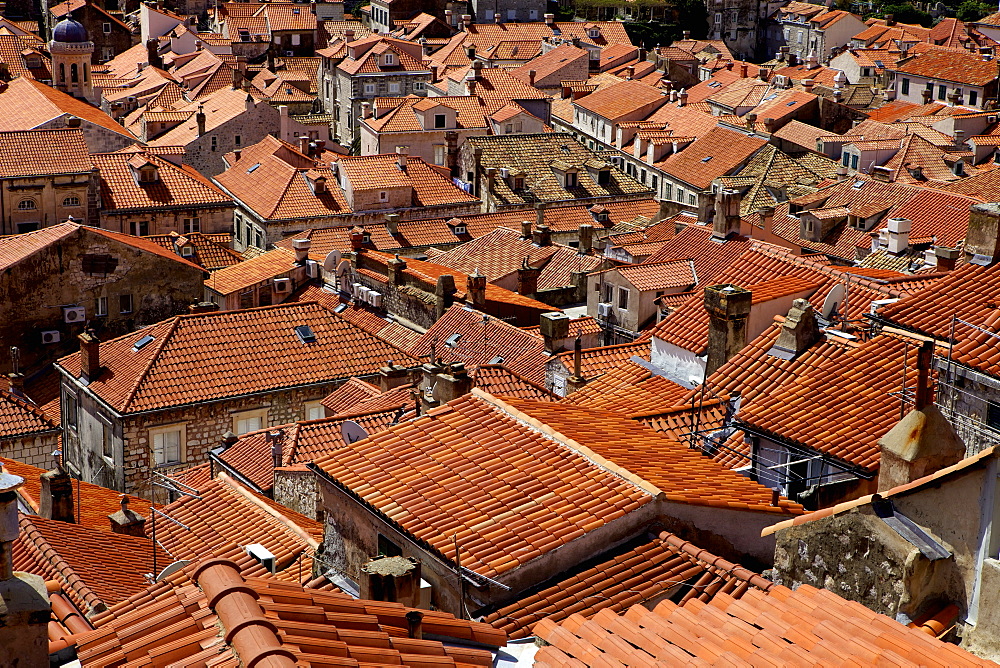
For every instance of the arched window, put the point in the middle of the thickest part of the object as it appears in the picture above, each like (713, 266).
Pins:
(86, 72)
(26, 205)
(62, 72)
(74, 73)
(72, 200)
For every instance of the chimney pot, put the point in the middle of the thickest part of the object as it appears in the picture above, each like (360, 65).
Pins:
(200, 119)
(525, 229)
(728, 309)
(126, 521)
(585, 238)
(542, 235)
(415, 618)
(56, 497)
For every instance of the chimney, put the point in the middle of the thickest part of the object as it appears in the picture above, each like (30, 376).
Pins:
(799, 331)
(203, 307)
(391, 376)
(277, 448)
(16, 383)
(682, 98)
(727, 214)
(444, 294)
(357, 239)
(630, 72)
(890, 20)
(497, 18)
(539, 213)
(24, 600)
(90, 355)
(531, 77)
(744, 69)
(841, 173)
(448, 17)
(304, 145)
(542, 236)
(55, 500)
(554, 328)
(686, 34)
(926, 93)
(476, 288)
(728, 308)
(576, 381)
(766, 219)
(395, 268)
(126, 521)
(807, 84)
(237, 154)
(401, 156)
(924, 441)
(947, 258)
(392, 223)
(301, 247)
(366, 110)
(982, 240)
(527, 279)
(585, 239)
(525, 229)
(452, 385)
(391, 579)
(899, 235)
(153, 53)
(466, 21)
(348, 36)
(550, 20)
(200, 118)
(812, 62)
(960, 138)
(414, 624)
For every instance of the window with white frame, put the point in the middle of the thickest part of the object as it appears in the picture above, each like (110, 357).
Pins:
(72, 200)
(383, 196)
(248, 421)
(623, 298)
(296, 39)
(369, 89)
(71, 409)
(168, 444)
(393, 87)
(314, 410)
(440, 154)
(101, 307)
(418, 85)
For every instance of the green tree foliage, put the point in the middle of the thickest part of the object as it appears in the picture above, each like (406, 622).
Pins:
(971, 10)
(678, 16)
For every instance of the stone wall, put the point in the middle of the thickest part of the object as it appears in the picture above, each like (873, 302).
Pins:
(35, 450)
(164, 221)
(297, 489)
(48, 196)
(965, 401)
(251, 127)
(99, 138)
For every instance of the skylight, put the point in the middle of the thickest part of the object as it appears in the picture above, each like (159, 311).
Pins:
(453, 340)
(305, 334)
(143, 342)
(706, 158)
(858, 185)
(253, 167)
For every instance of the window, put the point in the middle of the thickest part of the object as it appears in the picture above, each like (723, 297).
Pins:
(187, 251)
(215, 143)
(393, 87)
(993, 415)
(237, 141)
(72, 200)
(440, 154)
(107, 28)
(125, 303)
(418, 85)
(238, 229)
(139, 228)
(102, 306)
(168, 444)
(390, 59)
(296, 39)
(508, 129)
(248, 421)
(623, 298)
(369, 89)
(26, 227)
(854, 161)
(846, 159)
(973, 98)
(904, 87)
(192, 225)
(511, 14)
(107, 442)
(518, 183)
(571, 179)
(440, 121)
(74, 73)
(246, 299)
(387, 548)
(26, 205)
(315, 410)
(668, 191)
(692, 199)
(383, 196)
(718, 18)
(93, 263)
(71, 409)
(942, 92)
(609, 291)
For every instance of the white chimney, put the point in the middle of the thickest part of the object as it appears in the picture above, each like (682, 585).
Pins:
(401, 156)
(899, 235)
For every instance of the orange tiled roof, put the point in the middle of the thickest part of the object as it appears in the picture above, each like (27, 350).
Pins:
(27, 104)
(621, 99)
(246, 274)
(43, 152)
(345, 397)
(802, 627)
(430, 188)
(843, 406)
(714, 155)
(695, 242)
(205, 356)
(211, 251)
(951, 65)
(599, 361)
(635, 572)
(20, 417)
(498, 380)
(658, 275)
(176, 186)
(629, 389)
(275, 623)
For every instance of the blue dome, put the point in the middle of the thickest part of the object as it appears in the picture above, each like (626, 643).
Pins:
(69, 30)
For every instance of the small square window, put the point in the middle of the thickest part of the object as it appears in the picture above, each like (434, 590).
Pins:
(383, 196)
(168, 445)
(440, 121)
(107, 28)
(623, 298)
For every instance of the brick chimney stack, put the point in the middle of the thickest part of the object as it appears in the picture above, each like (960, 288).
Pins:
(55, 500)
(727, 214)
(576, 381)
(728, 309)
(542, 235)
(127, 522)
(452, 385)
(525, 229)
(476, 289)
(24, 600)
(200, 119)
(392, 376)
(90, 355)
(585, 239)
(527, 279)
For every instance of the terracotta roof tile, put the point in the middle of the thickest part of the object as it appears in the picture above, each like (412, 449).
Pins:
(714, 155)
(176, 186)
(345, 397)
(667, 275)
(950, 65)
(20, 417)
(28, 104)
(646, 568)
(596, 362)
(454, 453)
(196, 357)
(619, 100)
(43, 152)
(211, 251)
(804, 626)
(630, 389)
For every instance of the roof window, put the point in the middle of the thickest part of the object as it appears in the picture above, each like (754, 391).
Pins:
(142, 343)
(453, 340)
(305, 334)
(706, 158)
(252, 168)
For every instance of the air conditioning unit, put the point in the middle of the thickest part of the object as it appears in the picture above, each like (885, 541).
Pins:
(312, 269)
(366, 295)
(376, 299)
(282, 285)
(603, 310)
(51, 336)
(74, 314)
(356, 290)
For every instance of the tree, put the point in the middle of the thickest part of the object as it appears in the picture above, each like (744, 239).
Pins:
(971, 10)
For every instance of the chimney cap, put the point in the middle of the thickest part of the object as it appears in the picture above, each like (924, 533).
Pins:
(10, 482)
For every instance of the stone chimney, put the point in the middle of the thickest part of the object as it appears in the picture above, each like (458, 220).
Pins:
(414, 624)
(203, 307)
(392, 223)
(585, 239)
(301, 247)
(55, 500)
(451, 385)
(90, 355)
(16, 383)
(539, 213)
(947, 258)
(766, 219)
(444, 294)
(127, 521)
(525, 229)
(391, 579)
(682, 98)
(808, 85)
(576, 381)
(727, 214)
(401, 157)
(153, 53)
(392, 376)
(924, 441)
(982, 241)
(728, 308)
(24, 600)
(357, 239)
(550, 19)
(395, 268)
(542, 235)
(200, 118)
(531, 77)
(799, 331)
(476, 288)
(899, 235)
(527, 279)
(554, 328)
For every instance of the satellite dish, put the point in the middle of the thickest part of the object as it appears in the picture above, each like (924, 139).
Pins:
(352, 432)
(331, 261)
(833, 301)
(343, 268)
(176, 566)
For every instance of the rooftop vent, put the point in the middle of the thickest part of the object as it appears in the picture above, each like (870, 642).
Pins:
(142, 343)
(252, 168)
(453, 340)
(262, 555)
(305, 334)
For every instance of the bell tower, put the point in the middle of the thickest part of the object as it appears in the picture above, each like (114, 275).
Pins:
(71, 51)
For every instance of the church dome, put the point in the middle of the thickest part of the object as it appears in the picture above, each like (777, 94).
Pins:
(69, 30)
